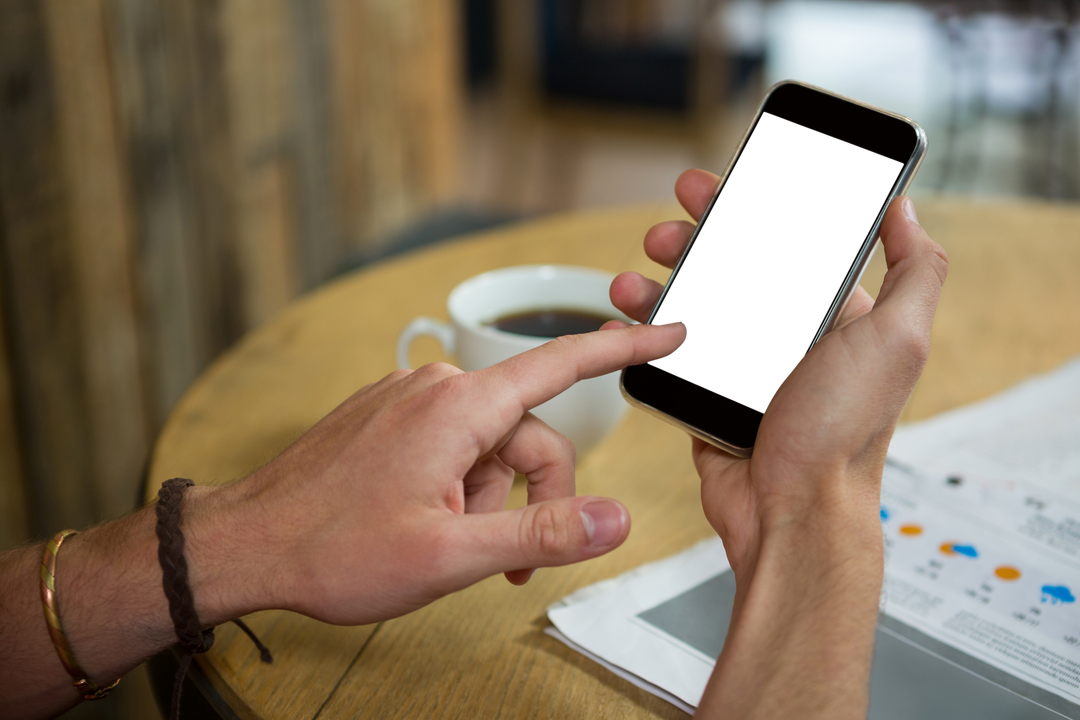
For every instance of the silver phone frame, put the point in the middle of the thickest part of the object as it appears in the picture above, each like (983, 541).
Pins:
(854, 275)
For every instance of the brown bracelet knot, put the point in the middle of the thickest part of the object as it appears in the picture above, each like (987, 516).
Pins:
(174, 578)
(174, 570)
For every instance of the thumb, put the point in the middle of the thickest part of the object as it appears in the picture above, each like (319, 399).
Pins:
(545, 534)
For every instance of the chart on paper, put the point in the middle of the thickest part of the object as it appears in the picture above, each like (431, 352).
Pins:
(989, 589)
(981, 600)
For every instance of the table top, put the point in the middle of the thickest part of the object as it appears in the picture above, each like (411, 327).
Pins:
(1010, 308)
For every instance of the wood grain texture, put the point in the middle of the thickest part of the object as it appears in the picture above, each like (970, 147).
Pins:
(319, 216)
(249, 125)
(44, 331)
(155, 98)
(1008, 311)
(205, 118)
(306, 653)
(1009, 308)
(14, 522)
(171, 175)
(259, 55)
(397, 120)
(100, 251)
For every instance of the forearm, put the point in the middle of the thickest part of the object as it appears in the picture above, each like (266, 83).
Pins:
(801, 637)
(112, 605)
(112, 608)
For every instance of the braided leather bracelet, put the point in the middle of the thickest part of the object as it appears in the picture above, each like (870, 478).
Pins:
(49, 600)
(174, 579)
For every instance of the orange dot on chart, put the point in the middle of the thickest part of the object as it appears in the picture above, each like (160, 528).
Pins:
(947, 548)
(1005, 572)
(911, 530)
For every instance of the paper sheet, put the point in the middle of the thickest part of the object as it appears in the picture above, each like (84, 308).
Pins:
(606, 620)
(984, 587)
(981, 514)
(1028, 436)
(981, 519)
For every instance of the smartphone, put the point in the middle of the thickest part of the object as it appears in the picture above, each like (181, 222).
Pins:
(775, 257)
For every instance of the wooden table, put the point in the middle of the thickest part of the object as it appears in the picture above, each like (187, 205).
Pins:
(1011, 308)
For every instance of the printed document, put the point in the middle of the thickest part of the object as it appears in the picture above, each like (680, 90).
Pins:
(980, 513)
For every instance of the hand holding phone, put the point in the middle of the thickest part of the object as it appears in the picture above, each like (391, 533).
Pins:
(799, 519)
(798, 208)
(837, 410)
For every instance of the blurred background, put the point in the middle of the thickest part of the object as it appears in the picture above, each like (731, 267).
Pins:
(174, 172)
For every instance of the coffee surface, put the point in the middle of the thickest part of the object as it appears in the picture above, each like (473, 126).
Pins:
(550, 323)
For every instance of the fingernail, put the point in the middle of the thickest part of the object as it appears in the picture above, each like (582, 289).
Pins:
(679, 349)
(909, 210)
(603, 521)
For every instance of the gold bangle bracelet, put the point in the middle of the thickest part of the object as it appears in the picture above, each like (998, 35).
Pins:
(86, 687)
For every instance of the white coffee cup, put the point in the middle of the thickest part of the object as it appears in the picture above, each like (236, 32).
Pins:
(586, 412)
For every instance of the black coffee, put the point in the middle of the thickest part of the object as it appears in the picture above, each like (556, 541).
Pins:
(550, 323)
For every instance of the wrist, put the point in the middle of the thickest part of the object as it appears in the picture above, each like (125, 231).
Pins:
(112, 606)
(822, 552)
(832, 526)
(235, 561)
(817, 569)
(110, 596)
(802, 626)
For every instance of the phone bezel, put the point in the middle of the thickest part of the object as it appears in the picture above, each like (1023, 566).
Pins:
(714, 418)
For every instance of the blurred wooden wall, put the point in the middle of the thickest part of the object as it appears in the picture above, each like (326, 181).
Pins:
(173, 172)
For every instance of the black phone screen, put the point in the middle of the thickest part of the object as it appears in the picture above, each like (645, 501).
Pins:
(770, 258)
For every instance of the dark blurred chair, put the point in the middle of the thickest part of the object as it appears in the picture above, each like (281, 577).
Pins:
(1043, 36)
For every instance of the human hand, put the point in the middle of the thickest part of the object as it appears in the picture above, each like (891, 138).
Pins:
(396, 498)
(823, 439)
(799, 518)
(391, 501)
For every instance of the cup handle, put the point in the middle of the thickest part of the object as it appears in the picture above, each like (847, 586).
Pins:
(423, 326)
